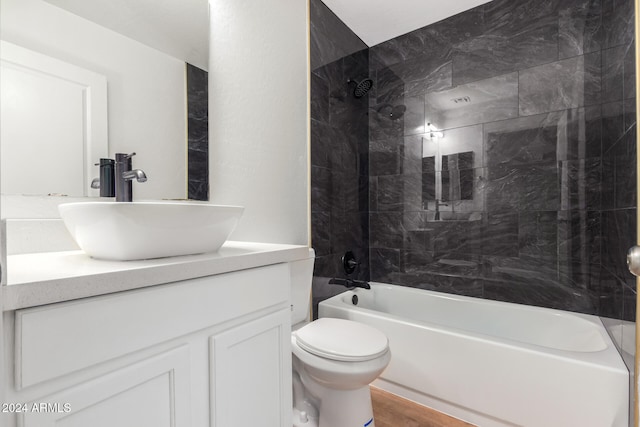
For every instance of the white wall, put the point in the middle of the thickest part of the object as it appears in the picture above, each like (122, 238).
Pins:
(146, 88)
(258, 115)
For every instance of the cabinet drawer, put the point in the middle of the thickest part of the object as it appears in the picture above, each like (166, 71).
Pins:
(58, 339)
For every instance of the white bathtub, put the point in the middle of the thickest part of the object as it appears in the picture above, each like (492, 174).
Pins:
(493, 363)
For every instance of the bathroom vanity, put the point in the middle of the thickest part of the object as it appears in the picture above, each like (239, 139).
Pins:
(199, 340)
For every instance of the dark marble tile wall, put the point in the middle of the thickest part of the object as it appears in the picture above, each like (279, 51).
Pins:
(197, 133)
(331, 39)
(542, 93)
(339, 152)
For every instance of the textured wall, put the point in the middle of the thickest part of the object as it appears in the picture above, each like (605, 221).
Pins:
(259, 116)
(339, 153)
(541, 92)
(331, 40)
(197, 133)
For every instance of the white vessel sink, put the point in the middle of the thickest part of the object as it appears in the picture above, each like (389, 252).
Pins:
(143, 230)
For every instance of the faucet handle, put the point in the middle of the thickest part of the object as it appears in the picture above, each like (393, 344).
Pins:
(349, 263)
(123, 156)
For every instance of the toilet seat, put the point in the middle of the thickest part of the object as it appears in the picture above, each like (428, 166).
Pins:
(342, 340)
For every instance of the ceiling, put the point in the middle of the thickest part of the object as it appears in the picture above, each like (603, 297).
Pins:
(179, 28)
(376, 21)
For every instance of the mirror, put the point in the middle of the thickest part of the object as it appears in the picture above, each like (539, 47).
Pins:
(452, 171)
(457, 176)
(154, 100)
(69, 106)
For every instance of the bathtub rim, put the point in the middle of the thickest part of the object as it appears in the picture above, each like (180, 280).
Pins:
(607, 358)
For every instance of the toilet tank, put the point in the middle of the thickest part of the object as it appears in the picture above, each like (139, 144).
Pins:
(301, 278)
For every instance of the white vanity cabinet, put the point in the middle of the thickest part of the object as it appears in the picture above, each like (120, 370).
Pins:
(211, 351)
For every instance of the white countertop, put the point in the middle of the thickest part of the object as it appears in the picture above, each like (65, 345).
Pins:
(45, 278)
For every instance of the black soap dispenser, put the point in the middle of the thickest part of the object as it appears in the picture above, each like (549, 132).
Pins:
(107, 178)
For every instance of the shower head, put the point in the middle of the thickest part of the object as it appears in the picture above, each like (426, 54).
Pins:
(362, 87)
(397, 112)
(393, 112)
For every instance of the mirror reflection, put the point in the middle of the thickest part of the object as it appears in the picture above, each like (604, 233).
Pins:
(457, 176)
(153, 56)
(452, 171)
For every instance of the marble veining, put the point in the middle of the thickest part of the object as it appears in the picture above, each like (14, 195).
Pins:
(560, 85)
(487, 100)
(618, 21)
(541, 94)
(613, 73)
(522, 188)
(439, 79)
(197, 133)
(340, 155)
(580, 28)
(330, 38)
(495, 53)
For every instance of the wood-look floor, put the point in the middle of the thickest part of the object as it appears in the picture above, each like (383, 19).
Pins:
(390, 410)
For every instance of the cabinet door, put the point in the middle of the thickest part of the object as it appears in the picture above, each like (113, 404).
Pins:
(151, 393)
(251, 374)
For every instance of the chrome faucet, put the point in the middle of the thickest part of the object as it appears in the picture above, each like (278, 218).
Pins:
(124, 177)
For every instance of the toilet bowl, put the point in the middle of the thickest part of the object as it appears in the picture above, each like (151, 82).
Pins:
(334, 361)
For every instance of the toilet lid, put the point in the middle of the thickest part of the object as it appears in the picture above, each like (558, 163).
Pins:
(342, 340)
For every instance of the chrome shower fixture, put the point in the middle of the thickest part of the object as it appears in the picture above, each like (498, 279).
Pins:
(434, 132)
(394, 112)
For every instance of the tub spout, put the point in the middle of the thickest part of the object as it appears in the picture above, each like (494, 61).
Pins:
(136, 174)
(350, 283)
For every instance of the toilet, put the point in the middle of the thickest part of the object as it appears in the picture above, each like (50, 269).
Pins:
(334, 361)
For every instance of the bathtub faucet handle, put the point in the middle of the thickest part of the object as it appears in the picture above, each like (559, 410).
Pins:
(349, 262)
